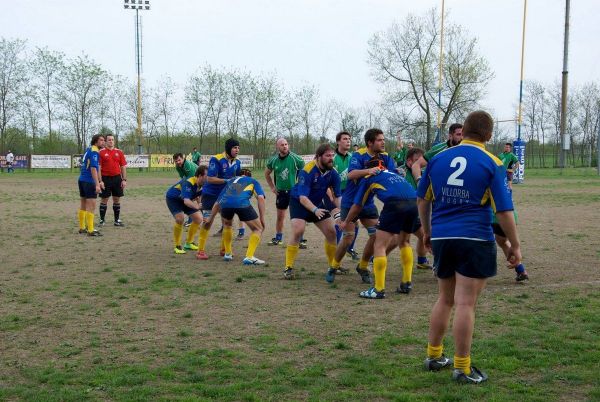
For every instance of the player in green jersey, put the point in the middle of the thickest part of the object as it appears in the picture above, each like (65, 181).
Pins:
(285, 166)
(510, 162)
(454, 138)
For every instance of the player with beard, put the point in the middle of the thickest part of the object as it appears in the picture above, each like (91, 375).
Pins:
(455, 136)
(306, 205)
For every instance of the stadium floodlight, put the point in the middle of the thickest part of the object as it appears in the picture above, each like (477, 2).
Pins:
(138, 5)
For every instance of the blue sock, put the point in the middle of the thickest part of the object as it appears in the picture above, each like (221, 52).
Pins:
(351, 247)
(279, 236)
(422, 260)
(338, 233)
(520, 268)
(241, 231)
(371, 259)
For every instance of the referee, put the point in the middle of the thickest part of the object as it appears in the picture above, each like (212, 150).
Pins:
(113, 167)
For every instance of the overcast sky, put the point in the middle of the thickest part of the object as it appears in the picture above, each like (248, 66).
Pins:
(322, 42)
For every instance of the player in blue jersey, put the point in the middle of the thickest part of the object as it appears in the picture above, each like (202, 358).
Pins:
(461, 187)
(306, 205)
(221, 168)
(399, 216)
(357, 169)
(234, 199)
(183, 199)
(90, 185)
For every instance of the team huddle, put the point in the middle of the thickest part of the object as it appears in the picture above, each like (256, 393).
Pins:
(456, 199)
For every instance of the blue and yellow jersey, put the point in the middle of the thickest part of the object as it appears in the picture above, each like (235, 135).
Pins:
(465, 183)
(90, 159)
(220, 166)
(313, 183)
(185, 188)
(359, 161)
(387, 186)
(238, 192)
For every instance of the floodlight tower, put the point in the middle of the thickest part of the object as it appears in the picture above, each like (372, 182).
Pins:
(138, 5)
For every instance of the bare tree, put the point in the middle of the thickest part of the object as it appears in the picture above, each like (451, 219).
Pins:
(164, 97)
(116, 102)
(237, 90)
(47, 68)
(307, 103)
(12, 76)
(195, 98)
(404, 59)
(81, 95)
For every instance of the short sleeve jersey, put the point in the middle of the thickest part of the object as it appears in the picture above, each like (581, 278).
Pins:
(508, 159)
(89, 161)
(196, 157)
(387, 186)
(359, 161)
(111, 161)
(436, 149)
(238, 192)
(341, 163)
(285, 170)
(222, 167)
(185, 188)
(187, 170)
(465, 183)
(313, 183)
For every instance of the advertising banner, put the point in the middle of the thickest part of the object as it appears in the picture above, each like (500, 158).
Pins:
(76, 161)
(51, 161)
(20, 162)
(161, 161)
(307, 158)
(519, 150)
(137, 161)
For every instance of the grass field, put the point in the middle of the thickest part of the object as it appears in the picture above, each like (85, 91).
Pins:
(122, 318)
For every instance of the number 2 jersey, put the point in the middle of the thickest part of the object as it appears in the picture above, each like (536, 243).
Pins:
(465, 183)
(238, 192)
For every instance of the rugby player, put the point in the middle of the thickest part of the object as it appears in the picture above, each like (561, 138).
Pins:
(183, 199)
(455, 136)
(90, 184)
(285, 166)
(221, 168)
(368, 216)
(234, 199)
(399, 216)
(461, 187)
(306, 205)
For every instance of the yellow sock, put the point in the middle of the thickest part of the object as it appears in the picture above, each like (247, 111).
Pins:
(363, 264)
(253, 242)
(89, 221)
(406, 257)
(335, 264)
(222, 242)
(81, 214)
(290, 255)
(463, 363)
(191, 232)
(202, 237)
(379, 267)
(330, 252)
(434, 352)
(227, 239)
(177, 231)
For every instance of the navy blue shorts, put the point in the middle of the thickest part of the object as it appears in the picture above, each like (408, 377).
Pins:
(470, 258)
(176, 206)
(245, 214)
(369, 212)
(399, 216)
(297, 211)
(87, 189)
(283, 199)
(208, 201)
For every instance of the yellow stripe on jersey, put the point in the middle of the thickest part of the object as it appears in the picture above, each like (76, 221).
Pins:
(365, 150)
(178, 186)
(429, 196)
(308, 167)
(487, 196)
(482, 147)
(372, 187)
(249, 187)
(192, 180)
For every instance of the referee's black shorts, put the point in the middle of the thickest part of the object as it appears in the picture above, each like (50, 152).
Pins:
(112, 186)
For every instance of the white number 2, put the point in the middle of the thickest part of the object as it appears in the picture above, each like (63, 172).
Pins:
(453, 180)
